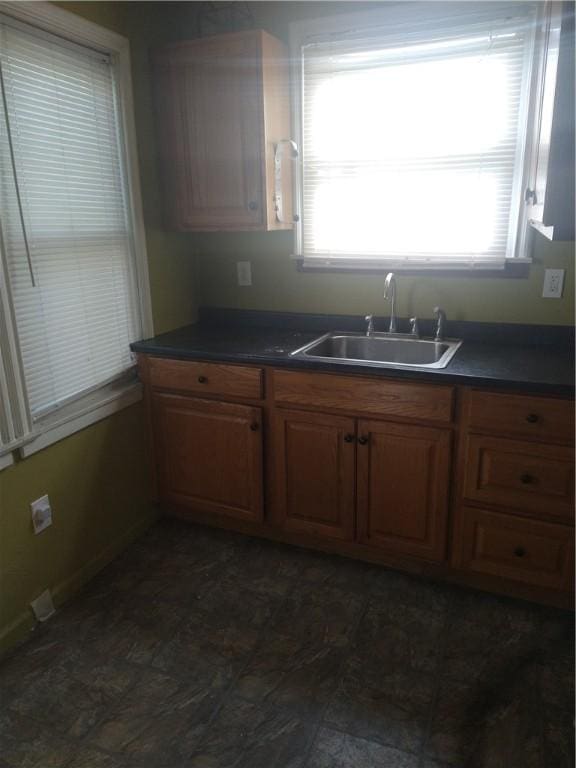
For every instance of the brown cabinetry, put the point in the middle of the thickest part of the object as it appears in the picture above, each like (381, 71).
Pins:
(209, 454)
(381, 483)
(527, 477)
(504, 546)
(222, 107)
(363, 466)
(403, 477)
(315, 468)
(514, 517)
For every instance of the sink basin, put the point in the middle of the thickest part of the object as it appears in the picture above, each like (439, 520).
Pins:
(381, 349)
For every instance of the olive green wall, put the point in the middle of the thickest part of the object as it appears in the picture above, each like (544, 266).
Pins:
(279, 286)
(98, 479)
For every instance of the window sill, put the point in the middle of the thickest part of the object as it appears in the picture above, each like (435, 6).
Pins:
(81, 414)
(513, 268)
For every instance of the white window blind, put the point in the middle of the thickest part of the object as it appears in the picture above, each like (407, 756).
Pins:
(412, 142)
(60, 147)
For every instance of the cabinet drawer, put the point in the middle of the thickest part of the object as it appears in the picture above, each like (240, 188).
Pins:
(361, 395)
(531, 477)
(514, 548)
(526, 416)
(205, 378)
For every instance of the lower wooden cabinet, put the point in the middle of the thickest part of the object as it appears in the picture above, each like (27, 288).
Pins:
(389, 481)
(314, 473)
(209, 454)
(509, 547)
(364, 467)
(403, 477)
(533, 478)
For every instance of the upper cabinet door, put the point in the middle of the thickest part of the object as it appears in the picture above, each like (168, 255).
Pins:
(217, 140)
(403, 475)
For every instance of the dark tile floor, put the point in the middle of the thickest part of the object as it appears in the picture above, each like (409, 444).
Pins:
(206, 649)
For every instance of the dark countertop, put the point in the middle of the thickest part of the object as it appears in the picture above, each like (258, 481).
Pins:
(505, 359)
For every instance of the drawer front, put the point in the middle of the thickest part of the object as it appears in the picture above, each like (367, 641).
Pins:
(205, 378)
(530, 477)
(540, 417)
(514, 548)
(361, 395)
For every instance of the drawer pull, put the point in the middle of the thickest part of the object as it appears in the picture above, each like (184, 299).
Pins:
(526, 479)
(348, 438)
(254, 427)
(532, 418)
(520, 552)
(363, 440)
(202, 379)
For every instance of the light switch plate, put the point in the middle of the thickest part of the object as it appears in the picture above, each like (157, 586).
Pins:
(41, 514)
(244, 271)
(553, 284)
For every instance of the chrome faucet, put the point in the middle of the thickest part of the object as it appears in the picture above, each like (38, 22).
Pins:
(440, 316)
(390, 293)
(370, 329)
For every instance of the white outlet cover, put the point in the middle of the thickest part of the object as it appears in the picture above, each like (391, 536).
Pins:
(244, 272)
(41, 514)
(553, 283)
(43, 607)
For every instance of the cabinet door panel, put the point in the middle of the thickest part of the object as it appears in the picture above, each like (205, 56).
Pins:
(315, 456)
(514, 548)
(212, 137)
(403, 488)
(533, 478)
(210, 455)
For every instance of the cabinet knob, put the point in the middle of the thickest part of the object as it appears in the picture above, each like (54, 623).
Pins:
(519, 551)
(363, 440)
(254, 427)
(253, 205)
(532, 418)
(526, 479)
(202, 379)
(348, 438)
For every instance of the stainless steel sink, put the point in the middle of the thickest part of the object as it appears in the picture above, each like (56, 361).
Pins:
(398, 350)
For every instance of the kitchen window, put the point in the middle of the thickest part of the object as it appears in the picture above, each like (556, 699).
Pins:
(73, 291)
(413, 131)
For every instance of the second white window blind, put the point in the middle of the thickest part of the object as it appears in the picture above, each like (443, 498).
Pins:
(412, 142)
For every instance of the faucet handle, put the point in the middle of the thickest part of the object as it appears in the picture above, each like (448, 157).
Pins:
(370, 320)
(414, 330)
(440, 316)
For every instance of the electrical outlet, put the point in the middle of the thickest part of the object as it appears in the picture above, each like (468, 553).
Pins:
(43, 607)
(553, 283)
(244, 271)
(41, 514)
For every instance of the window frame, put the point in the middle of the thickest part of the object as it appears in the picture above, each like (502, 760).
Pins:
(122, 392)
(400, 14)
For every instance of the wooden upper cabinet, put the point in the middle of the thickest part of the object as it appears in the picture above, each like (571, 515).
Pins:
(403, 477)
(314, 473)
(222, 105)
(209, 455)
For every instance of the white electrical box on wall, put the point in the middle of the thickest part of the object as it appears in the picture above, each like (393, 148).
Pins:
(553, 284)
(41, 514)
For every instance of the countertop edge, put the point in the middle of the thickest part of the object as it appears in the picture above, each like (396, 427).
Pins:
(437, 376)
